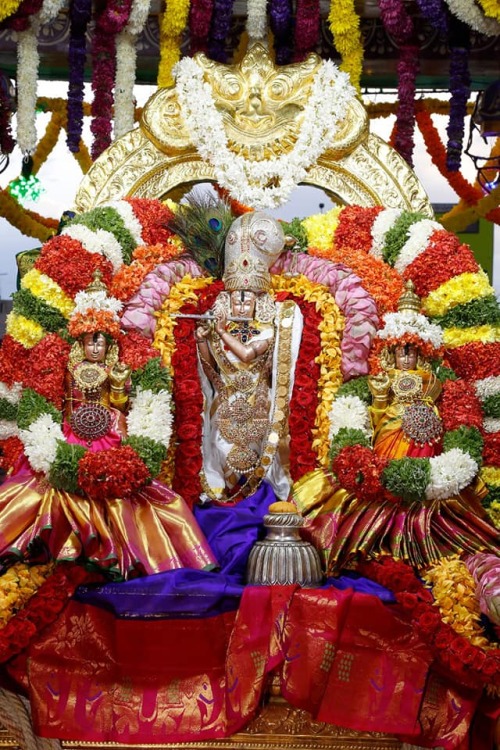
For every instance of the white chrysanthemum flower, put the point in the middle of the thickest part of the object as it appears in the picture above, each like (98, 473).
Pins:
(40, 442)
(150, 416)
(11, 394)
(384, 221)
(491, 424)
(85, 301)
(97, 241)
(8, 429)
(398, 324)
(450, 473)
(472, 15)
(349, 411)
(487, 387)
(331, 94)
(256, 18)
(419, 235)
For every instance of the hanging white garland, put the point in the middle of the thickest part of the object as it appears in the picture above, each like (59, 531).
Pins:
(469, 13)
(249, 181)
(256, 19)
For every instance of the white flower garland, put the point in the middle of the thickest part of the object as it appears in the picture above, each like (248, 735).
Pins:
(450, 473)
(384, 221)
(8, 429)
(487, 387)
(396, 325)
(491, 424)
(349, 411)
(126, 61)
(256, 19)
(11, 394)
(40, 442)
(419, 235)
(85, 301)
(468, 12)
(130, 220)
(248, 181)
(97, 241)
(151, 416)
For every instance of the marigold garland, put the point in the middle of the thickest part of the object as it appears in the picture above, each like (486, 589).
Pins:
(454, 337)
(28, 223)
(443, 258)
(321, 228)
(457, 290)
(345, 28)
(145, 258)
(172, 23)
(25, 331)
(17, 586)
(9, 7)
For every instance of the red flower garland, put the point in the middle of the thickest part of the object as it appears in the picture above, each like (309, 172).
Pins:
(358, 470)
(467, 664)
(443, 258)
(491, 450)
(460, 406)
(135, 349)
(112, 473)
(354, 229)
(200, 18)
(476, 360)
(307, 25)
(153, 217)
(42, 609)
(11, 449)
(188, 398)
(21, 19)
(13, 361)
(70, 265)
(47, 368)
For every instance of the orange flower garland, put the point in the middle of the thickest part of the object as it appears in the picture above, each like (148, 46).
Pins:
(145, 258)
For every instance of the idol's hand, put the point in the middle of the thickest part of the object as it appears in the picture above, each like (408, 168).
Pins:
(379, 385)
(220, 324)
(202, 332)
(119, 375)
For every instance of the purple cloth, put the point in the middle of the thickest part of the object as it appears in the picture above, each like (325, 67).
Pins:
(231, 532)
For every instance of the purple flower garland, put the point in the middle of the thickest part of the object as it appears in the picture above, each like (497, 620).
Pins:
(281, 15)
(435, 12)
(221, 23)
(459, 42)
(399, 25)
(200, 18)
(80, 13)
(112, 17)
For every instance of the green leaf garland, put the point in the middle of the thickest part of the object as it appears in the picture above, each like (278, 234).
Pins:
(32, 406)
(8, 411)
(63, 474)
(345, 437)
(35, 308)
(407, 478)
(106, 217)
(477, 312)
(153, 377)
(398, 235)
(468, 439)
(152, 453)
(491, 406)
(357, 387)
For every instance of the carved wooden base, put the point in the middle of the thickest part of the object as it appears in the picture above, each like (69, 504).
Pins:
(278, 725)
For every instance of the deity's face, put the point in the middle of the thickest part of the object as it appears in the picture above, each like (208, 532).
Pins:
(95, 347)
(406, 356)
(243, 304)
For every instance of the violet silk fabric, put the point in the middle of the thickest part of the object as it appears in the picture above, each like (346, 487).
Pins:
(231, 532)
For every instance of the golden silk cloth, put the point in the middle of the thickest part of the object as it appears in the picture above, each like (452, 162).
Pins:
(344, 656)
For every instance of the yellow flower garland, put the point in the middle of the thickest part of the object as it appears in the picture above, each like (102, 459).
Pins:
(331, 326)
(172, 23)
(454, 589)
(344, 25)
(491, 8)
(462, 215)
(25, 331)
(453, 337)
(16, 215)
(9, 7)
(48, 141)
(490, 475)
(457, 291)
(320, 228)
(41, 285)
(18, 585)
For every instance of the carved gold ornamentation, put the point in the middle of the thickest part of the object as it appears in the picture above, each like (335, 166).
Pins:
(262, 109)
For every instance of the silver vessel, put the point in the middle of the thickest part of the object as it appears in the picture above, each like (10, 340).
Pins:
(283, 557)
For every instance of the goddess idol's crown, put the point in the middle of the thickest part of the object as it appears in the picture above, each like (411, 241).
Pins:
(253, 243)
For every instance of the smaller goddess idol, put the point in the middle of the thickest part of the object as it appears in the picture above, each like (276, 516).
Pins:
(147, 530)
(247, 360)
(404, 487)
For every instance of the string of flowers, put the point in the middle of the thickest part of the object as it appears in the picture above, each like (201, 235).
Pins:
(7, 141)
(256, 25)
(281, 22)
(490, 8)
(459, 43)
(465, 662)
(41, 609)
(472, 15)
(200, 18)
(17, 586)
(80, 12)
(345, 29)
(219, 29)
(109, 22)
(307, 23)
(435, 12)
(172, 23)
(126, 61)
(246, 180)
(28, 222)
(8, 8)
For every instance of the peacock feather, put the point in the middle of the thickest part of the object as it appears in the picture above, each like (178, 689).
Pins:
(202, 223)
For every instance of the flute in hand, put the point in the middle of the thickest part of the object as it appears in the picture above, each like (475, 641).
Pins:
(207, 317)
